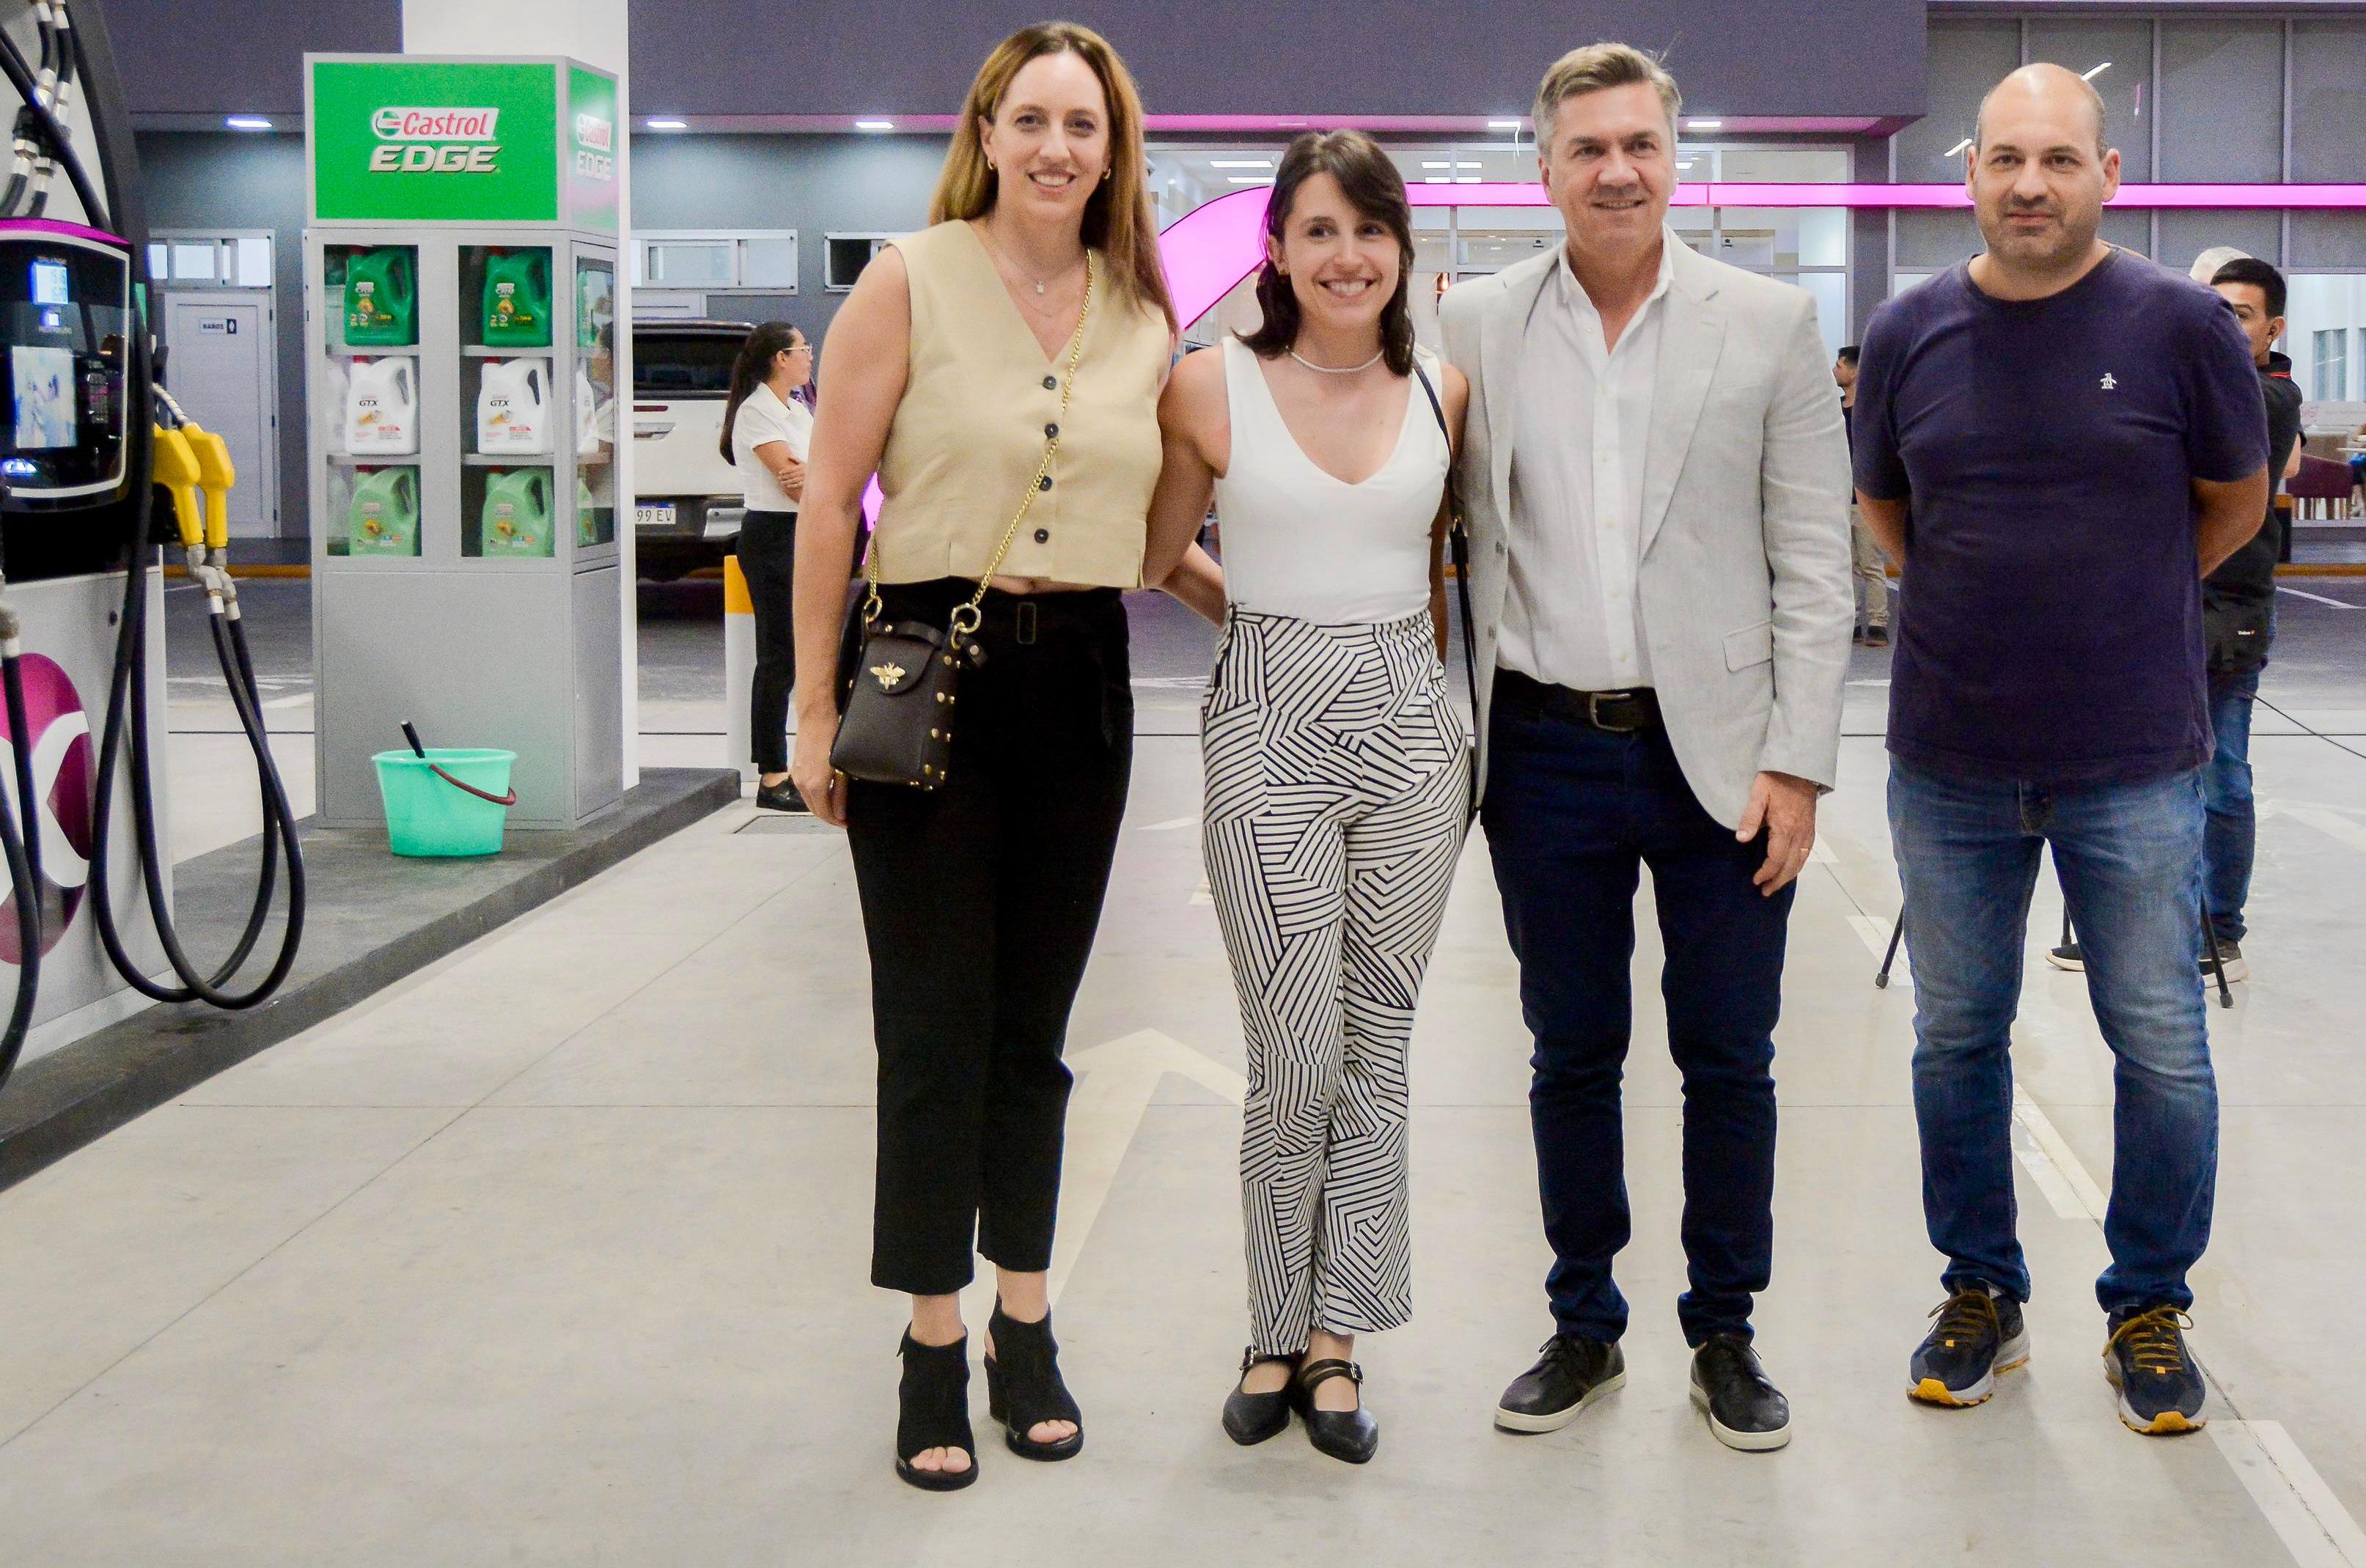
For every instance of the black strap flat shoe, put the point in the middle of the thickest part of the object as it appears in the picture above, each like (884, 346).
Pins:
(1023, 1387)
(934, 1397)
(1251, 1419)
(1350, 1435)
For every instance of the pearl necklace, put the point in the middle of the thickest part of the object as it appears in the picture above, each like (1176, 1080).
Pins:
(1337, 370)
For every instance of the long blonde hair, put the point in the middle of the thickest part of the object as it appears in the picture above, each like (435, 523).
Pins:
(1117, 218)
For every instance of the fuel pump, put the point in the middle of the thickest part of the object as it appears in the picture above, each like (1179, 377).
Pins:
(87, 441)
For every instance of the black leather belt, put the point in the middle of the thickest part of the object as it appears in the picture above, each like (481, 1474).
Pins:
(1614, 712)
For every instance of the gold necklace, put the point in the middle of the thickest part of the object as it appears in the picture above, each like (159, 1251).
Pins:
(1002, 259)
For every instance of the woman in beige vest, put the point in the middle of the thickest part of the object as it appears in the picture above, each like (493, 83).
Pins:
(946, 369)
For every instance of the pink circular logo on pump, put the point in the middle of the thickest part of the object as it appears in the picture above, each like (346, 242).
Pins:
(64, 773)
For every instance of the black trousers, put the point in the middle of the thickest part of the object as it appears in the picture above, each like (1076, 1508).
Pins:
(767, 554)
(980, 900)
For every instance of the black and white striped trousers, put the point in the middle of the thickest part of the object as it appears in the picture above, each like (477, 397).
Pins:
(1336, 795)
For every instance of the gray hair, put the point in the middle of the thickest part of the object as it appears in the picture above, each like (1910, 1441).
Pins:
(1598, 67)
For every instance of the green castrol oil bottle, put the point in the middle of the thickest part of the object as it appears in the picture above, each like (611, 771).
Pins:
(381, 300)
(518, 299)
(516, 518)
(587, 514)
(383, 519)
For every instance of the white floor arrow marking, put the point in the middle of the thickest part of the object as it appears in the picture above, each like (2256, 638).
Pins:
(2327, 820)
(1115, 1084)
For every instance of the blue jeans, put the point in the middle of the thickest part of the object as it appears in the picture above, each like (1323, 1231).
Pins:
(1571, 814)
(2129, 856)
(2233, 831)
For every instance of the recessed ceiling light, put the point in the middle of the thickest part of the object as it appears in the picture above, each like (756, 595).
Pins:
(874, 125)
(247, 122)
(1960, 147)
(667, 124)
(1503, 125)
(1240, 163)
(1683, 163)
(1703, 124)
(1437, 179)
(1467, 164)
(2098, 71)
(1251, 179)
(1437, 163)
(1466, 179)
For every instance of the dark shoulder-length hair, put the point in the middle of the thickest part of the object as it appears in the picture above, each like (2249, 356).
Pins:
(1374, 188)
(748, 371)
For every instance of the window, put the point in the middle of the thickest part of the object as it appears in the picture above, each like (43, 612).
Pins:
(183, 260)
(2331, 381)
(717, 260)
(845, 255)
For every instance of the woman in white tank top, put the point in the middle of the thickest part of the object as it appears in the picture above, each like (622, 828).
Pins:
(1336, 767)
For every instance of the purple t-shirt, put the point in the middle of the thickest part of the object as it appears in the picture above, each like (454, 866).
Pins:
(2050, 611)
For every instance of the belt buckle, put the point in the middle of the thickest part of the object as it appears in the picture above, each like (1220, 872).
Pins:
(1593, 701)
(1027, 622)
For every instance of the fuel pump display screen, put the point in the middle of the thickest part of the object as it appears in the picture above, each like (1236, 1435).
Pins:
(65, 304)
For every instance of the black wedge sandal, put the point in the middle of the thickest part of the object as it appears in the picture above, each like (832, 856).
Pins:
(1350, 1435)
(934, 1400)
(1251, 1419)
(1023, 1386)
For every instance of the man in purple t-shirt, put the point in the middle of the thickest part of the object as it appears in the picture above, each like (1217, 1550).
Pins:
(2056, 441)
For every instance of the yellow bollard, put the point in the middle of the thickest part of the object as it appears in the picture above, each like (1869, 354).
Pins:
(738, 668)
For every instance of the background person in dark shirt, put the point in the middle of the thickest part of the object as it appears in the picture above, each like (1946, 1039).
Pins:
(2081, 438)
(1870, 567)
(2239, 623)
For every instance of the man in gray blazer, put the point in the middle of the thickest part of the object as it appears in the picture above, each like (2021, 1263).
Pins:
(1657, 484)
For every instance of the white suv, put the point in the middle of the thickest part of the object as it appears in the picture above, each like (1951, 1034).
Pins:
(686, 499)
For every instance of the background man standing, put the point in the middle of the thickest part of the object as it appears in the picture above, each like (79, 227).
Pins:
(1658, 491)
(2081, 438)
(1872, 567)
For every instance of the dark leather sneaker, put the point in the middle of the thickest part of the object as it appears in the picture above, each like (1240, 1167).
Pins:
(2160, 1386)
(2230, 955)
(1876, 637)
(2068, 956)
(1979, 1334)
(1746, 1411)
(1572, 1373)
(781, 796)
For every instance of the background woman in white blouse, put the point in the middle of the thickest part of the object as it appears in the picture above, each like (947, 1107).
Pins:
(766, 428)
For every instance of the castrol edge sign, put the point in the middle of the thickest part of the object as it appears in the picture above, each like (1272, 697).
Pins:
(443, 141)
(408, 139)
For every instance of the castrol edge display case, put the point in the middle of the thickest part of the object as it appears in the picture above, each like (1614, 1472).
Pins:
(464, 335)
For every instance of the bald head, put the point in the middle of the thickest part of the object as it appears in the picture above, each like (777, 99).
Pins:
(2048, 89)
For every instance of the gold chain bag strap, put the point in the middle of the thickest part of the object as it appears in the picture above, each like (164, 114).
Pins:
(897, 726)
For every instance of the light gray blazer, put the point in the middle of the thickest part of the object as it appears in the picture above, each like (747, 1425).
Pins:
(1744, 586)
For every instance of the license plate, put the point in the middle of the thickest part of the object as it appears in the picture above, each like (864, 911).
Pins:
(653, 514)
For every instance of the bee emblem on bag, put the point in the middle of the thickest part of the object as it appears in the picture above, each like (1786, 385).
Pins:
(889, 676)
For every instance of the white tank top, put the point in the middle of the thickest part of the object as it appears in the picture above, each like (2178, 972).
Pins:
(1298, 541)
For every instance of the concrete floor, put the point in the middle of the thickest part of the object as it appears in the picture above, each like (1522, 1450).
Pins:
(556, 1254)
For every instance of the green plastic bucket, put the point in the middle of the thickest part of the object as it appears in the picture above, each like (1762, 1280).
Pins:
(428, 816)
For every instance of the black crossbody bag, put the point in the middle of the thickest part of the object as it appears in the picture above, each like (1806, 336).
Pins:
(1457, 550)
(896, 721)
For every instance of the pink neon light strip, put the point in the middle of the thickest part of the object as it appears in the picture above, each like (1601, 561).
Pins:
(1209, 250)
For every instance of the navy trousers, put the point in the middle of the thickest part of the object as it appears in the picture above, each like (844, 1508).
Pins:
(1571, 813)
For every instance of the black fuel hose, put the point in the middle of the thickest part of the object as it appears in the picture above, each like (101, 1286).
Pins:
(20, 76)
(124, 737)
(23, 879)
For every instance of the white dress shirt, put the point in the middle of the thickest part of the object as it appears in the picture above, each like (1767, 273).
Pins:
(1570, 612)
(762, 418)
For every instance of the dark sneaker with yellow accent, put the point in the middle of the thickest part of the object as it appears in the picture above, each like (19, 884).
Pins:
(2146, 1358)
(1979, 1334)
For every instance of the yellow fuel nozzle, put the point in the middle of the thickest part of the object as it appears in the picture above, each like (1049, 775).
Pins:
(177, 471)
(217, 475)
